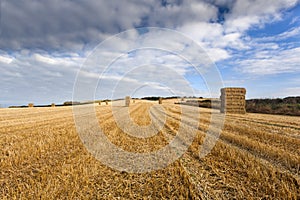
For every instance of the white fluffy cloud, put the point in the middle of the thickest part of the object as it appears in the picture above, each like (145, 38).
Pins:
(44, 43)
(6, 59)
(247, 13)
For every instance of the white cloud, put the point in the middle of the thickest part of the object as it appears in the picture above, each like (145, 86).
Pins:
(40, 79)
(71, 25)
(293, 32)
(290, 33)
(217, 54)
(247, 13)
(48, 51)
(174, 15)
(284, 61)
(202, 31)
(6, 59)
(74, 60)
(212, 38)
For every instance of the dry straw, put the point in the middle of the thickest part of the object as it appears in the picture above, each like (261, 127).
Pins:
(233, 100)
(58, 165)
(53, 105)
(160, 100)
(30, 105)
(127, 101)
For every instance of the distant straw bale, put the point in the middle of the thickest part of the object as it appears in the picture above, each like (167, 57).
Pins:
(30, 105)
(127, 101)
(53, 105)
(233, 100)
(160, 100)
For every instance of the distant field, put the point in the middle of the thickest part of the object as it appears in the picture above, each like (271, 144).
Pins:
(41, 156)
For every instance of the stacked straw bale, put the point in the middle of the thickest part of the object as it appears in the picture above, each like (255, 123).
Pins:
(233, 100)
(160, 100)
(53, 105)
(106, 102)
(127, 101)
(30, 105)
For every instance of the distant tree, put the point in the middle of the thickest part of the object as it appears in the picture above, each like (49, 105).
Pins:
(69, 103)
(285, 106)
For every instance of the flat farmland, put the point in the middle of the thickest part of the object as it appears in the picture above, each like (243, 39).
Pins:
(41, 156)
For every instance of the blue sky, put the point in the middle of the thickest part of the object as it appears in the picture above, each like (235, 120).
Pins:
(43, 45)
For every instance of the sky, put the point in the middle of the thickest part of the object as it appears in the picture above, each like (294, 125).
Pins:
(55, 51)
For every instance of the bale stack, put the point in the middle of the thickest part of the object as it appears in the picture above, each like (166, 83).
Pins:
(106, 102)
(30, 105)
(127, 101)
(99, 103)
(233, 100)
(160, 100)
(53, 105)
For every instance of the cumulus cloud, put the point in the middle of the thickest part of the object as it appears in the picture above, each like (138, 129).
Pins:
(65, 24)
(44, 43)
(72, 24)
(247, 13)
(6, 59)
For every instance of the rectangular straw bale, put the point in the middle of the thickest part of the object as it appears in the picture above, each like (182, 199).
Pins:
(233, 100)
(53, 105)
(227, 94)
(160, 100)
(233, 90)
(235, 105)
(236, 110)
(30, 105)
(127, 101)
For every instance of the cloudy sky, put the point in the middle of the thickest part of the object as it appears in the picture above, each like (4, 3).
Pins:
(44, 45)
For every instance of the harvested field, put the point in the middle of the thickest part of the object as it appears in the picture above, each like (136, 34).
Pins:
(257, 156)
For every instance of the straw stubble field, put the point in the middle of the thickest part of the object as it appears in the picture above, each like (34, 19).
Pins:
(41, 156)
